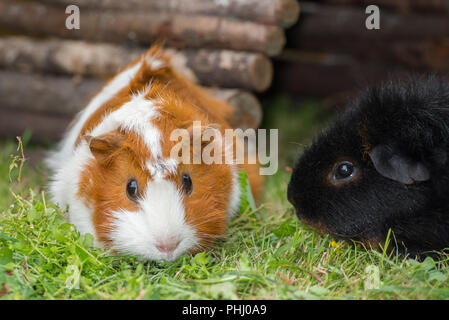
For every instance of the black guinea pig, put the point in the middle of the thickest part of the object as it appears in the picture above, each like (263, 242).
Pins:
(384, 164)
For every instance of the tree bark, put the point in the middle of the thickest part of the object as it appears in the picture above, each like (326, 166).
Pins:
(176, 30)
(280, 12)
(223, 68)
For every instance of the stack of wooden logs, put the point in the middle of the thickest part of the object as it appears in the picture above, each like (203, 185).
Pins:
(48, 72)
(330, 52)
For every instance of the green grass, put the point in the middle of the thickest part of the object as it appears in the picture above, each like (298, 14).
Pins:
(268, 253)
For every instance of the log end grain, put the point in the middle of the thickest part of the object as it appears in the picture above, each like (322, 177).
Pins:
(247, 109)
(260, 72)
(288, 12)
(275, 41)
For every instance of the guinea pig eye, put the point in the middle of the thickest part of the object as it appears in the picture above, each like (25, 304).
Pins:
(344, 171)
(132, 190)
(187, 185)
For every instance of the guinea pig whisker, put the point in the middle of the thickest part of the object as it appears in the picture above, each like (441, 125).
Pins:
(205, 245)
(212, 236)
(196, 219)
(203, 223)
(203, 220)
(200, 247)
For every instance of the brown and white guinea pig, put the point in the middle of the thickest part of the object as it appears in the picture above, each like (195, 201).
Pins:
(114, 171)
(384, 164)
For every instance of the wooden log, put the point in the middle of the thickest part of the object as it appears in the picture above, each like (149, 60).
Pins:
(411, 40)
(64, 97)
(55, 95)
(421, 56)
(426, 55)
(44, 128)
(401, 6)
(336, 78)
(280, 12)
(64, 56)
(327, 75)
(247, 109)
(176, 30)
(324, 25)
(223, 68)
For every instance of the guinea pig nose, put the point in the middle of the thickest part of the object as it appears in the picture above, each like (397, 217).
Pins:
(167, 245)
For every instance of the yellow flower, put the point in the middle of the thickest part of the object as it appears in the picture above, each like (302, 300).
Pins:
(335, 244)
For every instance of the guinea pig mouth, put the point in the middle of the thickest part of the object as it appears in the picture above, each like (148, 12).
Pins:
(168, 257)
(299, 213)
(314, 224)
(363, 236)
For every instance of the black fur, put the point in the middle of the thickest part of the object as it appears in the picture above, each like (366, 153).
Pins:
(397, 134)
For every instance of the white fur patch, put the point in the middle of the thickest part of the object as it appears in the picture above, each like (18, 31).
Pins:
(161, 168)
(157, 64)
(120, 81)
(154, 61)
(64, 189)
(135, 115)
(161, 216)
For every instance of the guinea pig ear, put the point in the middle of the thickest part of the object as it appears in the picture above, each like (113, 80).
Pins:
(103, 146)
(396, 166)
